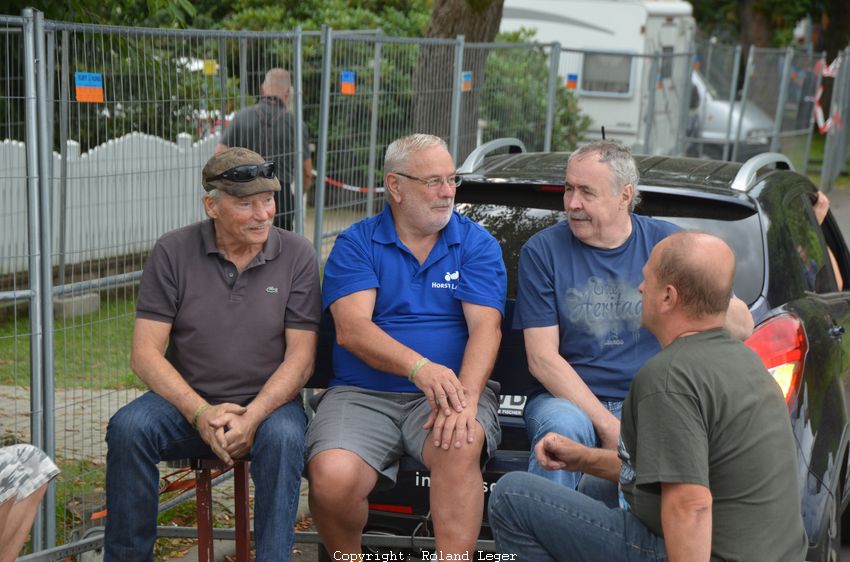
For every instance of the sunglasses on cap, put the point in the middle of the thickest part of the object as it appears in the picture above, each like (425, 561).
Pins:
(246, 172)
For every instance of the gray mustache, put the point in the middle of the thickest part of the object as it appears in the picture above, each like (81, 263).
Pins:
(579, 215)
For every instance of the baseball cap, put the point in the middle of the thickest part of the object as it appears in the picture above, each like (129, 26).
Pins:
(241, 163)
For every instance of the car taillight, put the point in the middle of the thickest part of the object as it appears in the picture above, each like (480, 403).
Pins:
(391, 508)
(781, 344)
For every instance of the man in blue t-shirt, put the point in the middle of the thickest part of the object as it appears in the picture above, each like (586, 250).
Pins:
(579, 307)
(417, 296)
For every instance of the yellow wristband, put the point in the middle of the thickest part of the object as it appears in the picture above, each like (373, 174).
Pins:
(201, 409)
(419, 364)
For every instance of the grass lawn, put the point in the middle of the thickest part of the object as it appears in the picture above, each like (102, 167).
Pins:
(90, 351)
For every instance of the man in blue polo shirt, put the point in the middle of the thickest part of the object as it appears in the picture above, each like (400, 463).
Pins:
(417, 295)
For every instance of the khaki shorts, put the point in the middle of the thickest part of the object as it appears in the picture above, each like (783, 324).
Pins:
(381, 427)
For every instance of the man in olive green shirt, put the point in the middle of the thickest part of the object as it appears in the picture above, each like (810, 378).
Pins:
(706, 463)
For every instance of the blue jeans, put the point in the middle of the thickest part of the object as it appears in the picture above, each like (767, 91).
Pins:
(539, 520)
(545, 413)
(149, 430)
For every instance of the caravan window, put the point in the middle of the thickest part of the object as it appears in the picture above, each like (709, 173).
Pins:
(607, 73)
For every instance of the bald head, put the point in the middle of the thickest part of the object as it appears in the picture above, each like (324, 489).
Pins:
(277, 83)
(702, 269)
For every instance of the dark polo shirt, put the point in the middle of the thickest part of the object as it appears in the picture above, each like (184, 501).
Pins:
(227, 328)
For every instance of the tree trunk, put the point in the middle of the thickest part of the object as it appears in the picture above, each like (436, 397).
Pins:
(433, 80)
(755, 28)
(835, 39)
(837, 33)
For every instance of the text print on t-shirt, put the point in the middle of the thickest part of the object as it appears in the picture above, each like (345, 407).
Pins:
(605, 308)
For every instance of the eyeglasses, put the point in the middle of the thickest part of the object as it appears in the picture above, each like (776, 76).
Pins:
(246, 172)
(434, 183)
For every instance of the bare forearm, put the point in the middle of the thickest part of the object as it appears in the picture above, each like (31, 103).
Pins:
(479, 358)
(376, 348)
(562, 381)
(162, 378)
(285, 384)
(686, 522)
(603, 463)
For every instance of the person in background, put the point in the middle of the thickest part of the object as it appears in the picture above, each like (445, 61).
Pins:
(268, 128)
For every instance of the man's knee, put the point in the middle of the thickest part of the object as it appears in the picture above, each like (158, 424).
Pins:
(283, 431)
(335, 472)
(562, 417)
(128, 425)
(455, 459)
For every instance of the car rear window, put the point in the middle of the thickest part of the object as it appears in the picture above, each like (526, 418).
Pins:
(738, 225)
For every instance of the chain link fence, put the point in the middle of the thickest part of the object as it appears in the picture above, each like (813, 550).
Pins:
(105, 131)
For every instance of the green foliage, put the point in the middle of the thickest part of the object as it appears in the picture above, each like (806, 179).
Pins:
(406, 19)
(139, 13)
(77, 498)
(722, 18)
(516, 86)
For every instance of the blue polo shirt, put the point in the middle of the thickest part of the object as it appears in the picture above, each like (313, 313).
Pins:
(418, 305)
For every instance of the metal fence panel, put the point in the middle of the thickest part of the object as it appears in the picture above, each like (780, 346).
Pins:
(776, 104)
(666, 109)
(15, 335)
(505, 93)
(640, 100)
(795, 111)
(835, 152)
(711, 127)
(120, 172)
(379, 89)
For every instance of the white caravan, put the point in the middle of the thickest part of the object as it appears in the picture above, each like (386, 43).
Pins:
(610, 58)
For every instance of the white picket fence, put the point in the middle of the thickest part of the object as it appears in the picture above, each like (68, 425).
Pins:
(120, 197)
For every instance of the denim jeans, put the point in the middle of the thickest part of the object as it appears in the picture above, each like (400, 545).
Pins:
(539, 520)
(545, 413)
(149, 430)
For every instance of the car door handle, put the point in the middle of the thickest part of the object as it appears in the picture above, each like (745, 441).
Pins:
(836, 331)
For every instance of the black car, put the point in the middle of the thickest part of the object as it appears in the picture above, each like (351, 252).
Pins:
(764, 211)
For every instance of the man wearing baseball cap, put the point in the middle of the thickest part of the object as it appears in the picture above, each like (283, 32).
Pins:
(225, 337)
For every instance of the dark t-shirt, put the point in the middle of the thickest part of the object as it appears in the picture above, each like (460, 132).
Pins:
(268, 129)
(706, 411)
(227, 327)
(591, 294)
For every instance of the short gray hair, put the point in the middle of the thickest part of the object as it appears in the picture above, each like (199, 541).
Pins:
(214, 194)
(400, 149)
(620, 162)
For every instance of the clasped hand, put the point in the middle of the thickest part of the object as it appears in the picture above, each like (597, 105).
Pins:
(227, 430)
